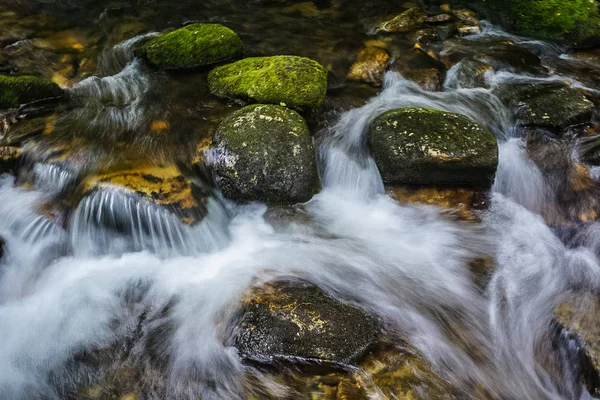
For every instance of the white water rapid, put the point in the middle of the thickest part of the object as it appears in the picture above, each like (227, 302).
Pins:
(67, 291)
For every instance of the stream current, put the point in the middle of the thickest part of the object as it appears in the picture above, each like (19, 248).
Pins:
(73, 290)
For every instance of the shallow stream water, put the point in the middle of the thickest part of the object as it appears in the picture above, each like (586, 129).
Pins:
(71, 289)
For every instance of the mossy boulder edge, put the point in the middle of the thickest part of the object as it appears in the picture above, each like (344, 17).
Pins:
(17, 90)
(296, 82)
(431, 147)
(193, 46)
(265, 153)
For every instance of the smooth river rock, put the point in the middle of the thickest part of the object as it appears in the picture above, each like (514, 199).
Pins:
(193, 46)
(296, 82)
(17, 90)
(430, 147)
(265, 153)
(298, 322)
(552, 105)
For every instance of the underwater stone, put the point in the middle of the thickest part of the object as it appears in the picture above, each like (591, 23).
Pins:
(370, 65)
(296, 82)
(17, 90)
(193, 46)
(265, 153)
(297, 322)
(164, 186)
(431, 147)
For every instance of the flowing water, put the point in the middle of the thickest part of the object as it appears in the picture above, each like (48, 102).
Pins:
(123, 270)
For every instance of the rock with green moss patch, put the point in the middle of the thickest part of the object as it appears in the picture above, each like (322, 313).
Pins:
(265, 153)
(17, 90)
(431, 147)
(551, 105)
(297, 322)
(193, 46)
(295, 82)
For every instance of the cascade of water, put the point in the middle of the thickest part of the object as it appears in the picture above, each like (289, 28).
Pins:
(404, 264)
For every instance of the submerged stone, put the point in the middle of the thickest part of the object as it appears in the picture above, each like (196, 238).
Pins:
(265, 153)
(431, 147)
(193, 46)
(165, 187)
(298, 322)
(17, 90)
(295, 82)
(370, 65)
(552, 105)
(409, 20)
(421, 68)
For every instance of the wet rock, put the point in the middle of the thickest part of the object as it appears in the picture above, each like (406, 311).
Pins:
(466, 30)
(165, 187)
(17, 90)
(466, 17)
(463, 202)
(578, 318)
(407, 21)
(418, 66)
(402, 375)
(10, 157)
(501, 54)
(193, 46)
(370, 65)
(295, 82)
(431, 147)
(298, 322)
(552, 105)
(2, 244)
(438, 19)
(446, 31)
(469, 74)
(265, 153)
(423, 37)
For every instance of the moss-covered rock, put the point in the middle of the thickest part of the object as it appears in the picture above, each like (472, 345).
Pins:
(265, 153)
(295, 82)
(407, 21)
(424, 146)
(193, 46)
(17, 90)
(555, 19)
(552, 105)
(298, 322)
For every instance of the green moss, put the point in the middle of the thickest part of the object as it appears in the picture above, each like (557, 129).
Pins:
(556, 19)
(193, 46)
(296, 82)
(424, 146)
(265, 153)
(17, 90)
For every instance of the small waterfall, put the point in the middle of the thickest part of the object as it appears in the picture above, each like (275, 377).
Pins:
(110, 221)
(112, 105)
(114, 60)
